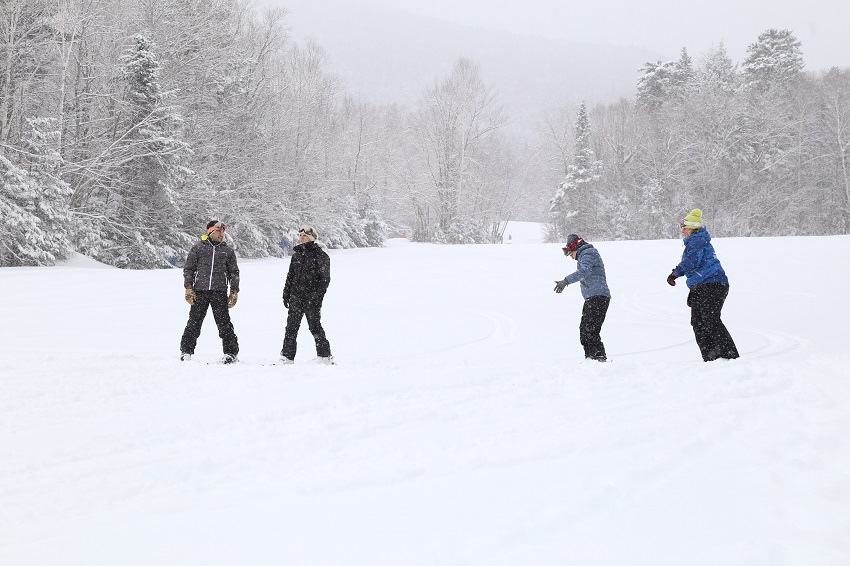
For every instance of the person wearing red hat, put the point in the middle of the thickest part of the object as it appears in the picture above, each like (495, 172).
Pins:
(590, 273)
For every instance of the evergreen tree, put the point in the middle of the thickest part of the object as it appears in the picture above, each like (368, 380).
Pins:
(24, 242)
(141, 226)
(34, 202)
(53, 195)
(656, 86)
(574, 206)
(559, 214)
(716, 72)
(773, 61)
(682, 80)
(374, 228)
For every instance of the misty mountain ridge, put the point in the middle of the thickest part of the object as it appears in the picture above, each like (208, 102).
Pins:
(386, 55)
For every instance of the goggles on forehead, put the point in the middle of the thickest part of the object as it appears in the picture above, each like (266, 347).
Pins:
(216, 226)
(573, 246)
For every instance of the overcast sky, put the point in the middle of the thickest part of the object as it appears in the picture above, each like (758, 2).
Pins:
(660, 25)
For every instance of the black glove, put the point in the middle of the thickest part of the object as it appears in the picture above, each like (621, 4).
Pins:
(688, 300)
(671, 279)
(286, 302)
(560, 285)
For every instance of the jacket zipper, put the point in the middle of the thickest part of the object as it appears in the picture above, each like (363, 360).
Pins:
(212, 265)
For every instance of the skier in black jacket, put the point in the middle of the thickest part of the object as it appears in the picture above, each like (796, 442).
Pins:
(306, 284)
(210, 267)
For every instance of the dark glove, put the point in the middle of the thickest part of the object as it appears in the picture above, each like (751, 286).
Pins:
(190, 295)
(671, 279)
(560, 285)
(231, 300)
(688, 300)
(286, 302)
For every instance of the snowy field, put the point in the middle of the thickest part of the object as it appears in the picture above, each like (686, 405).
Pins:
(460, 426)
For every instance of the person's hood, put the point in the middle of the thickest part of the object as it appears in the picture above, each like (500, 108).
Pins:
(700, 237)
(307, 245)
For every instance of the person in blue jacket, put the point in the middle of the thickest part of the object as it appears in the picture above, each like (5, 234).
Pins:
(594, 288)
(708, 286)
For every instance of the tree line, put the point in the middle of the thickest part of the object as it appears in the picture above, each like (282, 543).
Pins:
(762, 147)
(125, 125)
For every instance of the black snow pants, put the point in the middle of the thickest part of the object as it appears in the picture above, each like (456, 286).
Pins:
(313, 311)
(592, 316)
(714, 341)
(221, 314)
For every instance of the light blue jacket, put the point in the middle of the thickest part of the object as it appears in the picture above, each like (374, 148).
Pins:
(591, 273)
(699, 263)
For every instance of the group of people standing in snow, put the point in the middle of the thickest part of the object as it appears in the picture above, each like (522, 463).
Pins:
(211, 268)
(707, 283)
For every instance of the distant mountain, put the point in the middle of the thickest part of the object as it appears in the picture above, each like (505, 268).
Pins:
(386, 55)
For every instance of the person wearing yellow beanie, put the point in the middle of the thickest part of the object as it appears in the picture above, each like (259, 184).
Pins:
(708, 286)
(693, 220)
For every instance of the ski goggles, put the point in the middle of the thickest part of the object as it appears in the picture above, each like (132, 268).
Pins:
(216, 226)
(308, 230)
(572, 246)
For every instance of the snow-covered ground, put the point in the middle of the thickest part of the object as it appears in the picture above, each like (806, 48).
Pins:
(460, 426)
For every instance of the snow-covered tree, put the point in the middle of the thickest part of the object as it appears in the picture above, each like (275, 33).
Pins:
(34, 201)
(24, 242)
(454, 122)
(716, 72)
(374, 228)
(25, 56)
(656, 85)
(773, 61)
(43, 163)
(574, 206)
(835, 126)
(683, 79)
(139, 214)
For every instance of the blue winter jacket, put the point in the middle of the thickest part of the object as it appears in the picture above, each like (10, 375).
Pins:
(699, 263)
(590, 271)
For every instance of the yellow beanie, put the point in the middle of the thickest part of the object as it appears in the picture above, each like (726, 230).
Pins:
(693, 220)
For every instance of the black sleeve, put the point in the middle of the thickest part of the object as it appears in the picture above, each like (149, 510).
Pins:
(324, 269)
(190, 268)
(287, 287)
(233, 272)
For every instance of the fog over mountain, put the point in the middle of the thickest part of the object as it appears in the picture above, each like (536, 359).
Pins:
(386, 55)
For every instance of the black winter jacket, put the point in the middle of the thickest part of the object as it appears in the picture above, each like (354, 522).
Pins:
(210, 267)
(309, 273)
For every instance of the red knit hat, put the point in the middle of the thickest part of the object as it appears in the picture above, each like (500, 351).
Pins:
(573, 243)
